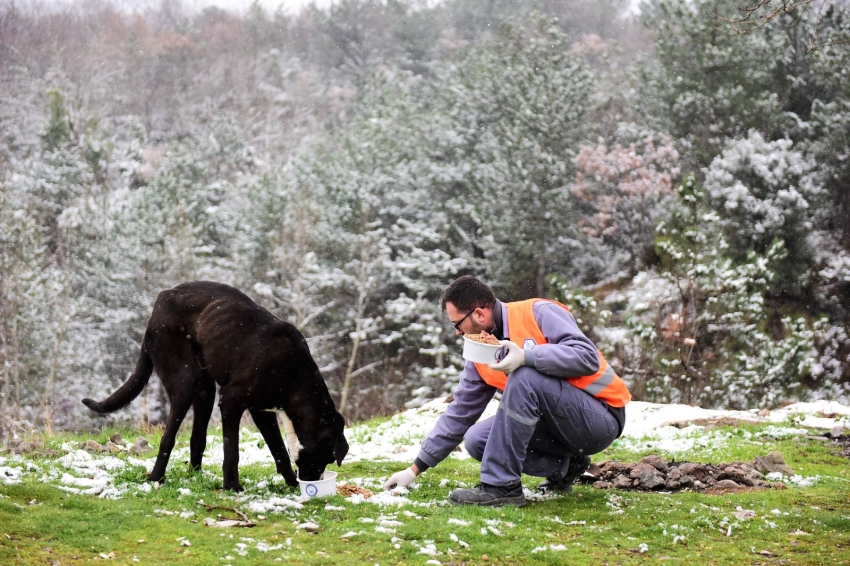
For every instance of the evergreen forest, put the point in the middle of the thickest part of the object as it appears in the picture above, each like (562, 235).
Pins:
(677, 172)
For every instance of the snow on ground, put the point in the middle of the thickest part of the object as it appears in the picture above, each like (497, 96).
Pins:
(398, 439)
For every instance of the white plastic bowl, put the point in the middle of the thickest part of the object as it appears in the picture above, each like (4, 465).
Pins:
(317, 488)
(479, 352)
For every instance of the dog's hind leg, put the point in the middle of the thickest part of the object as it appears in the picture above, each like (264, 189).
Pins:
(179, 407)
(231, 415)
(266, 421)
(172, 358)
(202, 408)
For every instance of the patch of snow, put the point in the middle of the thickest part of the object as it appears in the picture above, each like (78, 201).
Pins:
(551, 547)
(461, 522)
(10, 476)
(273, 505)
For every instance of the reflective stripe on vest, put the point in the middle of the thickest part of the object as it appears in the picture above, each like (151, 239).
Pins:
(605, 384)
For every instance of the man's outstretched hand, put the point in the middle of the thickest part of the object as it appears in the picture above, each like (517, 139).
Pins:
(400, 479)
(512, 357)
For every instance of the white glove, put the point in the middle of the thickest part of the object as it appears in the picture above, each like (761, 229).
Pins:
(400, 479)
(513, 359)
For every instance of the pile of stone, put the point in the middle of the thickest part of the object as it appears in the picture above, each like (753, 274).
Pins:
(843, 443)
(116, 444)
(34, 447)
(840, 437)
(654, 473)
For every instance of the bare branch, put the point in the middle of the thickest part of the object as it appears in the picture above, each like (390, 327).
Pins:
(366, 368)
(763, 12)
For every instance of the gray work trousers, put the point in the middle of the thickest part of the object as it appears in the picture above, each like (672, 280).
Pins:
(542, 422)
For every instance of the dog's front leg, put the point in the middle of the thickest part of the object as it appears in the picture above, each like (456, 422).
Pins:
(266, 421)
(231, 415)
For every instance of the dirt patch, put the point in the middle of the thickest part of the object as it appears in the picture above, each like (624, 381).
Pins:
(716, 490)
(654, 473)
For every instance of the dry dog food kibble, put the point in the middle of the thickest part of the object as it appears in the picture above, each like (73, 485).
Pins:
(348, 489)
(484, 338)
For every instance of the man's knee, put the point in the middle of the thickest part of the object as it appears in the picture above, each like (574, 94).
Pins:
(475, 438)
(475, 447)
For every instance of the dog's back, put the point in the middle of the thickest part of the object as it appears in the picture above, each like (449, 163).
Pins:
(233, 340)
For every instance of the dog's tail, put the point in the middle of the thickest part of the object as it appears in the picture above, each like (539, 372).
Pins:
(127, 392)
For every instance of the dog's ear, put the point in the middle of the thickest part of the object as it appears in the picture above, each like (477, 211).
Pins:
(340, 448)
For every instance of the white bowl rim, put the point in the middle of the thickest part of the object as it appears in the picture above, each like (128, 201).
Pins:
(482, 343)
(322, 479)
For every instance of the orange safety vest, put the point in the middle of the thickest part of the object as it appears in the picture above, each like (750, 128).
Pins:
(605, 385)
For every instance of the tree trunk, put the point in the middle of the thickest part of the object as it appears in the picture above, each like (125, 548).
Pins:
(4, 386)
(47, 398)
(358, 326)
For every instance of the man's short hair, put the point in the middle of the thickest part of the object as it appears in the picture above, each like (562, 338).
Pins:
(468, 293)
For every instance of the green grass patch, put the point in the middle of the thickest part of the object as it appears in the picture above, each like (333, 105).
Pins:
(41, 524)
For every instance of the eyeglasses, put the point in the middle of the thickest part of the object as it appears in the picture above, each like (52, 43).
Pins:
(457, 324)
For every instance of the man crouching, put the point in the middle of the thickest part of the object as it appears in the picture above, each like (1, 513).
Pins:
(561, 400)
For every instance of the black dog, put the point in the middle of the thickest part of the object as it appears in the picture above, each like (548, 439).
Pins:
(202, 333)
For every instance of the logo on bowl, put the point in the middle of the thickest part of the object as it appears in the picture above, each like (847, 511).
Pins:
(311, 489)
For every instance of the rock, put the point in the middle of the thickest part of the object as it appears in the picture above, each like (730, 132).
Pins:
(672, 485)
(91, 446)
(773, 462)
(653, 482)
(696, 471)
(140, 446)
(817, 438)
(836, 432)
(603, 485)
(19, 447)
(739, 475)
(656, 462)
(622, 482)
(726, 483)
(25, 447)
(116, 439)
(309, 526)
(686, 481)
(594, 470)
(674, 474)
(698, 484)
(647, 476)
(616, 468)
(641, 469)
(745, 514)
(111, 447)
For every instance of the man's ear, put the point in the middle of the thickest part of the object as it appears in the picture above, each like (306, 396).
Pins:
(340, 449)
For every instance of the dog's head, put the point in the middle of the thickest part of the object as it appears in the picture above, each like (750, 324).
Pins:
(330, 446)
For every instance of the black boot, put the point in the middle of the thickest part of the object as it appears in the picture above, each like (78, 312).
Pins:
(489, 495)
(577, 467)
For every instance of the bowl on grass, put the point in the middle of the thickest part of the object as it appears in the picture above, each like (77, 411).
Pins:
(321, 487)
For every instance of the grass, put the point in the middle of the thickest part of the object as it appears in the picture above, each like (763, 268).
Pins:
(40, 524)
